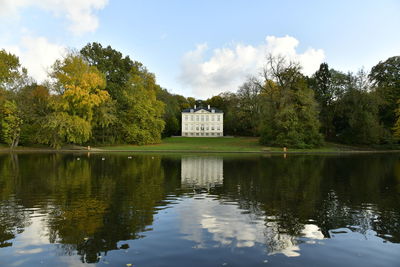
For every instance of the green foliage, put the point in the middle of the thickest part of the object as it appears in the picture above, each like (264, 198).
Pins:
(133, 89)
(141, 120)
(60, 128)
(290, 111)
(102, 96)
(11, 123)
(356, 118)
(172, 112)
(11, 72)
(385, 77)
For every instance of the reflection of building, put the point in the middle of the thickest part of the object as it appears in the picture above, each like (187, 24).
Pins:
(201, 172)
(199, 121)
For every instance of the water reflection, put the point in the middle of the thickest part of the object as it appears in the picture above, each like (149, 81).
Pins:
(65, 210)
(201, 172)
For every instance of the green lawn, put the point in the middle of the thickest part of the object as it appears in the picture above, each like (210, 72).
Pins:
(212, 144)
(205, 144)
(197, 144)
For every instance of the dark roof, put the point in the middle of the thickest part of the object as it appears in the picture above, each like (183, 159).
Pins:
(200, 108)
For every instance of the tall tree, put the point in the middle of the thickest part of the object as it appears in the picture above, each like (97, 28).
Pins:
(385, 77)
(133, 91)
(321, 83)
(80, 89)
(290, 110)
(357, 117)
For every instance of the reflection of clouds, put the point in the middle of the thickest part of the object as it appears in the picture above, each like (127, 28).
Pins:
(206, 221)
(33, 235)
(312, 231)
(204, 172)
(226, 224)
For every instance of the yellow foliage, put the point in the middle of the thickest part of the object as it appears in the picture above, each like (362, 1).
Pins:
(81, 86)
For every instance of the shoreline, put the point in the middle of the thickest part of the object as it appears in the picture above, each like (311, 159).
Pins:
(100, 151)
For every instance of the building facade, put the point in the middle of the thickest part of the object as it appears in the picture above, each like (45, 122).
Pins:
(202, 122)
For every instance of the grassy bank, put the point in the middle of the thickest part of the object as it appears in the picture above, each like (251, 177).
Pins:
(221, 144)
(204, 145)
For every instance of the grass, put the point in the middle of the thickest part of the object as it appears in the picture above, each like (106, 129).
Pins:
(206, 145)
(220, 144)
(241, 144)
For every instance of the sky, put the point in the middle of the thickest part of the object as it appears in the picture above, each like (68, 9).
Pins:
(203, 48)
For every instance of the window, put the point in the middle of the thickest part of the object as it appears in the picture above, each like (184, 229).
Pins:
(206, 117)
(197, 117)
(218, 128)
(207, 134)
(212, 118)
(192, 128)
(191, 118)
(197, 127)
(186, 127)
(217, 117)
(207, 128)
(212, 128)
(202, 117)
(186, 118)
(197, 134)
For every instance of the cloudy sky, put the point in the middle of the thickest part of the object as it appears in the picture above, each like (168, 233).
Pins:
(202, 48)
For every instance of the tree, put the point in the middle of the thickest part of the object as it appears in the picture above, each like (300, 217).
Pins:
(141, 120)
(385, 78)
(133, 89)
(290, 111)
(321, 83)
(80, 89)
(249, 107)
(172, 114)
(81, 86)
(11, 124)
(33, 103)
(11, 72)
(357, 117)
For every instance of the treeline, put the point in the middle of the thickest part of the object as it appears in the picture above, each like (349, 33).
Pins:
(98, 96)
(286, 108)
(94, 96)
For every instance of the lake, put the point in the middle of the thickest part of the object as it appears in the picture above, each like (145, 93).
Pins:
(199, 210)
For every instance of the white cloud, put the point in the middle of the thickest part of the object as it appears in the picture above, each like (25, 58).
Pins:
(37, 54)
(227, 68)
(80, 13)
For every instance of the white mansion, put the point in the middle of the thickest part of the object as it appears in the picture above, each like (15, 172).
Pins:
(202, 122)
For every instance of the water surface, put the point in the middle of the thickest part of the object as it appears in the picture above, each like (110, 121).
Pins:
(195, 210)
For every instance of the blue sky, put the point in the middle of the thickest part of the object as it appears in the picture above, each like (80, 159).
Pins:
(201, 48)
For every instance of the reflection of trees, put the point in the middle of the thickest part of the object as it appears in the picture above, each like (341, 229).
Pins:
(362, 193)
(91, 204)
(332, 191)
(13, 218)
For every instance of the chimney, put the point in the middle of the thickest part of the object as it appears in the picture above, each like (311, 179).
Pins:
(194, 106)
(208, 107)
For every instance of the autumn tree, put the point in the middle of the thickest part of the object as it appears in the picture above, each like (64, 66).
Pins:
(79, 88)
(134, 92)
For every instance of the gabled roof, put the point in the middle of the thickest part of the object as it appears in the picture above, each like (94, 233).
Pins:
(201, 108)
